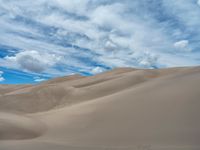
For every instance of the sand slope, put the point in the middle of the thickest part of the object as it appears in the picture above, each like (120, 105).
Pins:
(130, 109)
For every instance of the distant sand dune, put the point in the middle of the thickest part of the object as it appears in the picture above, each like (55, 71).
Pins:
(123, 109)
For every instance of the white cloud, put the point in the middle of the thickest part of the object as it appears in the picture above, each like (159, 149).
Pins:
(97, 70)
(108, 16)
(33, 61)
(198, 2)
(109, 45)
(148, 60)
(1, 78)
(38, 79)
(75, 6)
(182, 45)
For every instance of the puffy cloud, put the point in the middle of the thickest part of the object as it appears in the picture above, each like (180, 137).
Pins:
(33, 60)
(182, 45)
(1, 78)
(97, 70)
(148, 60)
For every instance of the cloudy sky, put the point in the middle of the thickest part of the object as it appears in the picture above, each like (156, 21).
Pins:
(42, 39)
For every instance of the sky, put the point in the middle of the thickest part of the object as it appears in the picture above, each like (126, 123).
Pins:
(44, 39)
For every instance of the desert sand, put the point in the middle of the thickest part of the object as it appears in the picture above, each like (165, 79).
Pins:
(122, 109)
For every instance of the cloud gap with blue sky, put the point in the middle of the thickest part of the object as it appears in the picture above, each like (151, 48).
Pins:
(43, 39)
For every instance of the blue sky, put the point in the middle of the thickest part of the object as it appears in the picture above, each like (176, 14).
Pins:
(43, 39)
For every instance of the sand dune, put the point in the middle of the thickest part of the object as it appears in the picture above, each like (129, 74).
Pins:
(123, 109)
(16, 127)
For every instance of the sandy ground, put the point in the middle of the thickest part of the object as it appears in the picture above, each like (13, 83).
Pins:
(123, 109)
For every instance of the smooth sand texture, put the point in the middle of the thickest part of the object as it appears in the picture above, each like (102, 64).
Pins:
(123, 109)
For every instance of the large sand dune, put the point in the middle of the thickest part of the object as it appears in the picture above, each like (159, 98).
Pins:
(123, 109)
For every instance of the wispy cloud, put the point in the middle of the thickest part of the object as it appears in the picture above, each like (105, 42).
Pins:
(89, 36)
